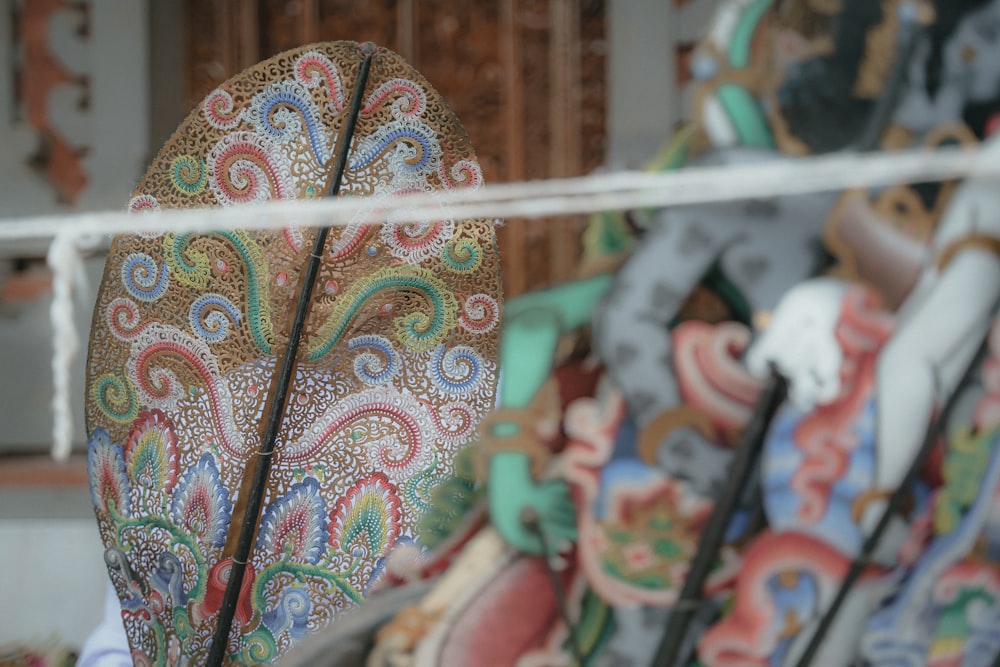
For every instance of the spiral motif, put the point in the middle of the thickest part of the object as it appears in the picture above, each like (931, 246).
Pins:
(417, 148)
(279, 113)
(188, 175)
(291, 614)
(244, 168)
(393, 295)
(416, 331)
(371, 368)
(210, 315)
(142, 278)
(463, 255)
(409, 449)
(140, 659)
(418, 490)
(117, 561)
(410, 99)
(463, 174)
(142, 203)
(312, 68)
(123, 318)
(417, 242)
(458, 370)
(191, 267)
(455, 423)
(159, 387)
(219, 110)
(481, 314)
(116, 398)
(182, 622)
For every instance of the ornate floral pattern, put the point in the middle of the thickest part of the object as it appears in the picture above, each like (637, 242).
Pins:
(367, 519)
(397, 364)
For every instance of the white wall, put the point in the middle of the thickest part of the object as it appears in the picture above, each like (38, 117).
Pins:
(52, 574)
(644, 102)
(52, 579)
(115, 128)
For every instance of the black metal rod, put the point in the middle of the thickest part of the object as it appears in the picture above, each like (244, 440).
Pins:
(885, 107)
(220, 640)
(529, 517)
(742, 467)
(895, 500)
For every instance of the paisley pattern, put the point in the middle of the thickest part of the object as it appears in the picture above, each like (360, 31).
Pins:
(396, 369)
(109, 485)
(367, 519)
(151, 452)
(294, 524)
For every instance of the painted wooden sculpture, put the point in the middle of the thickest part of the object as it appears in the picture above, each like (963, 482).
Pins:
(941, 614)
(396, 367)
(641, 461)
(657, 305)
(622, 471)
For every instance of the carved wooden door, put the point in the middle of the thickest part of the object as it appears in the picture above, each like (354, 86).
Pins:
(526, 77)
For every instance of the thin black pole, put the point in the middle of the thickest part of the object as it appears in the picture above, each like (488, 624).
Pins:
(531, 520)
(885, 107)
(682, 612)
(742, 467)
(220, 641)
(895, 501)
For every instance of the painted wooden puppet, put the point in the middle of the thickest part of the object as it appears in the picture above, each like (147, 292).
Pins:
(202, 385)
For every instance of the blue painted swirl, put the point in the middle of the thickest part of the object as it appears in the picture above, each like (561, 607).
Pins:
(371, 368)
(458, 370)
(421, 141)
(142, 278)
(210, 315)
(279, 112)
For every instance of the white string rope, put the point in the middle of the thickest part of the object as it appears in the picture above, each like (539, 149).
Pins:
(530, 200)
(541, 199)
(66, 264)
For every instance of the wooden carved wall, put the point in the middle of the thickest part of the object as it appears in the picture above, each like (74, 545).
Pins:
(527, 78)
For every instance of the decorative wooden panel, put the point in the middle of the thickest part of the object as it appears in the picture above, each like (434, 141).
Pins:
(526, 77)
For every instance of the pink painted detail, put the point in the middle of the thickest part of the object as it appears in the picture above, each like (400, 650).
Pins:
(592, 425)
(220, 111)
(508, 618)
(293, 237)
(480, 314)
(215, 588)
(410, 100)
(244, 168)
(463, 174)
(376, 410)
(710, 375)
(349, 241)
(826, 437)
(750, 634)
(123, 319)
(158, 383)
(313, 68)
(459, 423)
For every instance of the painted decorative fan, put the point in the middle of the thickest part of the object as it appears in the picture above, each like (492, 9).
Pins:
(363, 357)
